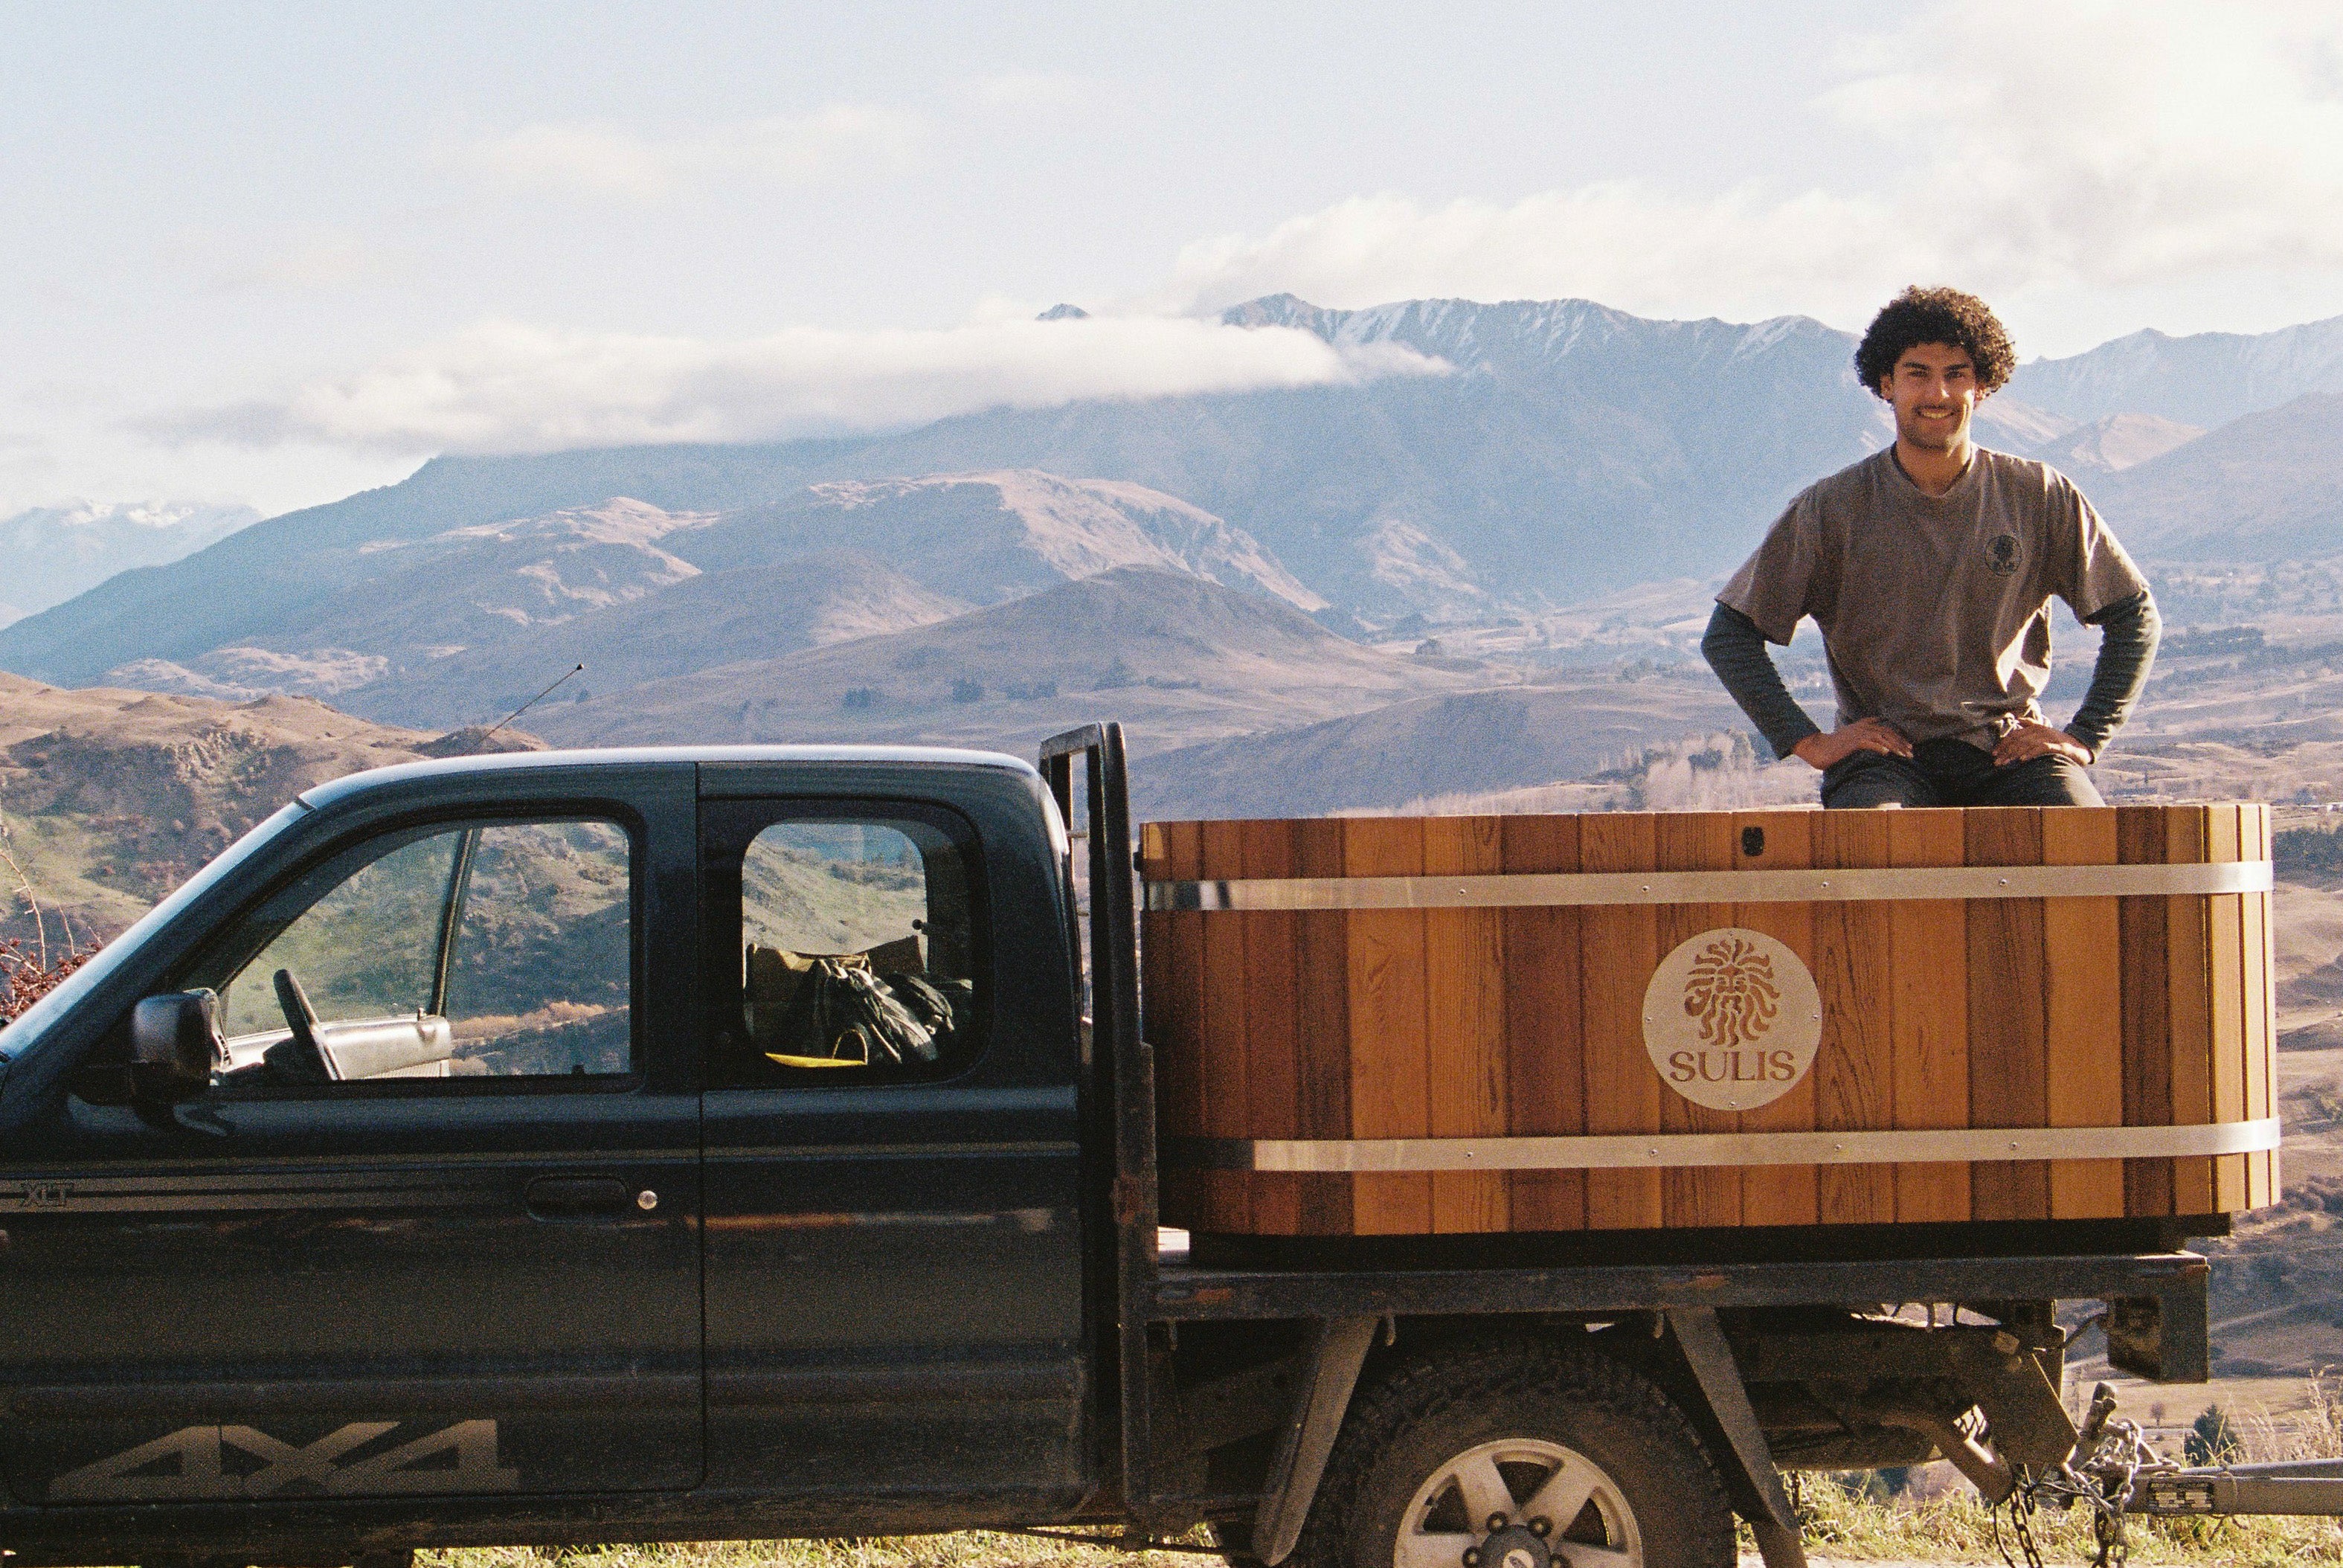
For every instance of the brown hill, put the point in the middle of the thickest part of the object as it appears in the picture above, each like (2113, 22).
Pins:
(2253, 491)
(714, 618)
(2117, 442)
(988, 536)
(1454, 744)
(112, 797)
(1178, 659)
(386, 609)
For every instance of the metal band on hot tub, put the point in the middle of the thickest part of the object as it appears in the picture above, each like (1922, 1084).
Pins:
(1539, 888)
(1661, 1151)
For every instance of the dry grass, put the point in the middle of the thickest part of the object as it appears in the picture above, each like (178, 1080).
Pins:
(1955, 1528)
(1842, 1524)
(966, 1549)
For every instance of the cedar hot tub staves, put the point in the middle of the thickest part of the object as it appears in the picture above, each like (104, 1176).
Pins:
(1700, 1019)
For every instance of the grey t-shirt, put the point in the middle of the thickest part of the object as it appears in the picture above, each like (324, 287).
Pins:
(1935, 609)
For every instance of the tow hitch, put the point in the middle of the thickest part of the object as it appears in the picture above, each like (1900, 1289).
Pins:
(2113, 1473)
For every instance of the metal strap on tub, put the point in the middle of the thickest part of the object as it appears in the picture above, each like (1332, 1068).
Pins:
(1534, 889)
(1672, 1150)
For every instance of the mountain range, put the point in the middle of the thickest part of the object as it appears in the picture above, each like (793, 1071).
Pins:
(2206, 378)
(474, 619)
(1574, 450)
(1576, 473)
(56, 552)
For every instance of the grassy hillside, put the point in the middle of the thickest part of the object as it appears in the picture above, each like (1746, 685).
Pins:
(113, 798)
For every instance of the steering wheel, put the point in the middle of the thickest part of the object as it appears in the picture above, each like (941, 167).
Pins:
(300, 1060)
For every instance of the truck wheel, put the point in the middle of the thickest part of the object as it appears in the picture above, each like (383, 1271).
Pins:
(1518, 1454)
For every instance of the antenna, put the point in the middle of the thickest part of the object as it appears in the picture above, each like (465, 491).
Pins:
(517, 712)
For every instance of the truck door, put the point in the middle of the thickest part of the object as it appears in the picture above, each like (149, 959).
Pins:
(893, 1253)
(436, 1232)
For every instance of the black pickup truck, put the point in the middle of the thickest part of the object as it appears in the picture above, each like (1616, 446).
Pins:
(475, 1153)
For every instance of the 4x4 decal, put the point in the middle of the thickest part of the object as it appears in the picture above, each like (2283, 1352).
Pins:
(194, 1457)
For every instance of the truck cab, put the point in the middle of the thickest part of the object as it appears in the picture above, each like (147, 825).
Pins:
(531, 1164)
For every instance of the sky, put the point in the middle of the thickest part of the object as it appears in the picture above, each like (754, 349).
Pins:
(276, 254)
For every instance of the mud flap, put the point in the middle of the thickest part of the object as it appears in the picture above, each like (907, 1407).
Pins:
(1749, 1474)
(1338, 1349)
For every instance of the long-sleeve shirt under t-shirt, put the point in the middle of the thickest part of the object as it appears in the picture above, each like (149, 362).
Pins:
(1935, 610)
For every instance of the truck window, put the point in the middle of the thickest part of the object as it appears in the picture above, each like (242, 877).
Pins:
(364, 950)
(857, 944)
(488, 950)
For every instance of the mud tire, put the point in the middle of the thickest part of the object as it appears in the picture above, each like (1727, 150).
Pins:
(1422, 1412)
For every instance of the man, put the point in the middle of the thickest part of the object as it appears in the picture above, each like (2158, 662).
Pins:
(1930, 567)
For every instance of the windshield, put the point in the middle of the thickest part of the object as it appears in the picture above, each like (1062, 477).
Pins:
(19, 1036)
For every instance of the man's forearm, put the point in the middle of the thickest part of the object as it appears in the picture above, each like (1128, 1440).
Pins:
(1735, 649)
(2128, 632)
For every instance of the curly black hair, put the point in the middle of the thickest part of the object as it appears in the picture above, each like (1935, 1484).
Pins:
(1937, 315)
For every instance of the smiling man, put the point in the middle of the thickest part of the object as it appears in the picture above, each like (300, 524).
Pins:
(1930, 567)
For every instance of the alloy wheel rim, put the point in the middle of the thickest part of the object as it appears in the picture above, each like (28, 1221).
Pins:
(1522, 1480)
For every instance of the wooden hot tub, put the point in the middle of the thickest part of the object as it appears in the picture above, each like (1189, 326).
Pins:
(1623, 1020)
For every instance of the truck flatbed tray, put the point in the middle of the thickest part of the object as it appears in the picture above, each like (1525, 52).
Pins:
(1186, 1293)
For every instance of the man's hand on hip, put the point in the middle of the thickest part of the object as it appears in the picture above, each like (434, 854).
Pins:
(2028, 740)
(1863, 735)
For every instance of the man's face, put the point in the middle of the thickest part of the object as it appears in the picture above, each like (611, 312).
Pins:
(1934, 390)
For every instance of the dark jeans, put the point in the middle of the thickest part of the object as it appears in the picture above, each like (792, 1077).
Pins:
(1955, 773)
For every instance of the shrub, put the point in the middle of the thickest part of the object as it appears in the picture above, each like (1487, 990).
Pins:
(859, 697)
(2307, 848)
(24, 979)
(2212, 1439)
(966, 690)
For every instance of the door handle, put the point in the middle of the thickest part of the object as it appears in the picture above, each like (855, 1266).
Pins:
(579, 1198)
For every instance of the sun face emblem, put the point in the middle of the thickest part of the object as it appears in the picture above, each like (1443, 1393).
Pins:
(1730, 994)
(1732, 1019)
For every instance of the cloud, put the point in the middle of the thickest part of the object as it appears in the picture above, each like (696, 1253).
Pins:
(2097, 144)
(1032, 91)
(841, 141)
(28, 469)
(2084, 145)
(293, 263)
(508, 388)
(1622, 243)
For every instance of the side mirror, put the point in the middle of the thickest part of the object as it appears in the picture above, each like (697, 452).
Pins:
(174, 1044)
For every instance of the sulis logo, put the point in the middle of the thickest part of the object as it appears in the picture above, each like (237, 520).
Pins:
(1732, 1020)
(193, 1464)
(1731, 993)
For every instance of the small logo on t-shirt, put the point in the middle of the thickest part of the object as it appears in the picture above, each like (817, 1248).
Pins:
(2001, 554)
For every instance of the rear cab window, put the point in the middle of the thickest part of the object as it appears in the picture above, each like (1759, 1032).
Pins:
(856, 937)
